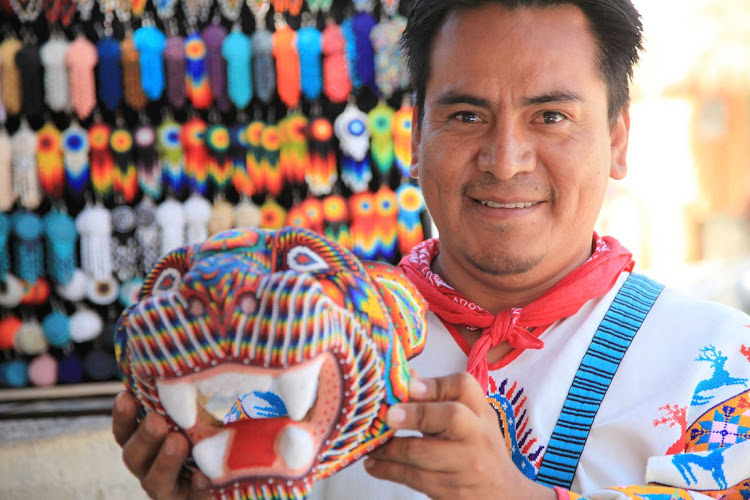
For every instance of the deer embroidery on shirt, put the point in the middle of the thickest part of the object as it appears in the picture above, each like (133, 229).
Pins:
(745, 350)
(674, 415)
(713, 463)
(720, 377)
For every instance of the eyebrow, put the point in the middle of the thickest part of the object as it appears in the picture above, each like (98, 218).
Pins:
(558, 96)
(451, 99)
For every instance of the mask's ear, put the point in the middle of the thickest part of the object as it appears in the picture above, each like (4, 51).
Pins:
(406, 306)
(167, 275)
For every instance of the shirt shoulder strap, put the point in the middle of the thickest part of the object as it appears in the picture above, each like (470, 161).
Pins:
(610, 343)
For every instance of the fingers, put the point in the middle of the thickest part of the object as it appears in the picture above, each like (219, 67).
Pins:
(434, 455)
(139, 451)
(163, 478)
(123, 418)
(447, 419)
(428, 482)
(199, 487)
(460, 387)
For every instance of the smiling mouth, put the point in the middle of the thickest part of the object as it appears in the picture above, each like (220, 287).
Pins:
(523, 204)
(247, 422)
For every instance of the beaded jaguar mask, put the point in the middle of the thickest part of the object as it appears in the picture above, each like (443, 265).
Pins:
(277, 353)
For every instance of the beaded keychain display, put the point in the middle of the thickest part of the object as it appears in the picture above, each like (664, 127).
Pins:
(410, 207)
(11, 75)
(264, 72)
(148, 167)
(75, 143)
(75, 291)
(102, 162)
(238, 149)
(5, 276)
(222, 215)
(390, 71)
(347, 30)
(151, 43)
(255, 155)
(354, 140)
(272, 215)
(124, 245)
(380, 124)
(108, 72)
(60, 245)
(362, 25)
(287, 65)
(170, 217)
(49, 159)
(313, 208)
(322, 173)
(197, 86)
(364, 238)
(170, 156)
(56, 79)
(131, 72)
(246, 214)
(25, 174)
(336, 82)
(30, 339)
(56, 328)
(336, 220)
(219, 163)
(125, 181)
(30, 65)
(386, 220)
(294, 156)
(85, 326)
(147, 234)
(28, 255)
(270, 161)
(94, 225)
(81, 60)
(197, 214)
(237, 51)
(296, 217)
(402, 123)
(213, 37)
(195, 154)
(310, 48)
(176, 66)
(7, 196)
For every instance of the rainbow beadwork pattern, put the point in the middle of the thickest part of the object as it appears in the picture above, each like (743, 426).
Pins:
(276, 300)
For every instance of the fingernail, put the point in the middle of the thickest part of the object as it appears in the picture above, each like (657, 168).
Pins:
(119, 405)
(395, 415)
(201, 482)
(151, 427)
(417, 387)
(170, 447)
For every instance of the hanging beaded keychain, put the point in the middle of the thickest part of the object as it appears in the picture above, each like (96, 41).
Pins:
(85, 7)
(237, 51)
(296, 217)
(7, 196)
(56, 79)
(322, 173)
(362, 25)
(196, 78)
(60, 245)
(131, 70)
(222, 217)
(29, 63)
(386, 220)
(165, 9)
(310, 48)
(26, 10)
(102, 161)
(294, 157)
(125, 182)
(364, 238)
(219, 163)
(75, 142)
(380, 124)
(293, 7)
(313, 208)
(49, 159)
(354, 140)
(270, 162)
(151, 43)
(272, 215)
(238, 149)
(170, 156)
(195, 11)
(147, 162)
(264, 71)
(108, 72)
(316, 6)
(197, 211)
(213, 37)
(231, 9)
(402, 123)
(390, 71)
(195, 154)
(287, 63)
(28, 254)
(147, 234)
(170, 216)
(124, 245)
(246, 214)
(336, 82)
(11, 75)
(175, 63)
(81, 60)
(410, 208)
(347, 30)
(336, 220)
(255, 155)
(25, 173)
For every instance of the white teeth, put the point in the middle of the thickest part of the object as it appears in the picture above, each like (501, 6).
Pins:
(492, 204)
(299, 388)
(179, 401)
(296, 447)
(225, 388)
(209, 454)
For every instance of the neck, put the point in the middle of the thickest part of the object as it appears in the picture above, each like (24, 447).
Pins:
(495, 294)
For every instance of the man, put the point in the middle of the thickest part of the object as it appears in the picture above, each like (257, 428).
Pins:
(599, 382)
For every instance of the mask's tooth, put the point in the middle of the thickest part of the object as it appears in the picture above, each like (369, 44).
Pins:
(224, 389)
(209, 454)
(296, 447)
(179, 401)
(299, 388)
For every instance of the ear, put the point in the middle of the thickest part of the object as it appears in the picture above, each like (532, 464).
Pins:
(416, 140)
(620, 137)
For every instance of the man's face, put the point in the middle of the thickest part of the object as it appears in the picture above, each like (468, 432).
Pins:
(515, 147)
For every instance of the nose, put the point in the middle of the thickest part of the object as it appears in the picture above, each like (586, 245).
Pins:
(507, 152)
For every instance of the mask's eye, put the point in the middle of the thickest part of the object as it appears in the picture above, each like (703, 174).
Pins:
(168, 281)
(305, 260)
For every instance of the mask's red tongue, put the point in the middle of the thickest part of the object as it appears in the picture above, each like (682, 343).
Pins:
(253, 442)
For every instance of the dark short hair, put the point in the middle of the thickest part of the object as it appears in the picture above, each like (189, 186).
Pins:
(616, 24)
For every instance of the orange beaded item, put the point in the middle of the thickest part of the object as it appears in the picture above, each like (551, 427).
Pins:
(288, 72)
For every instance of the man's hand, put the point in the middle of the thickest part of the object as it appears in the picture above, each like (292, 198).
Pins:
(462, 454)
(153, 454)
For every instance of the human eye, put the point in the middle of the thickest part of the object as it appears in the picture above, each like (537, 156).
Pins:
(552, 117)
(466, 117)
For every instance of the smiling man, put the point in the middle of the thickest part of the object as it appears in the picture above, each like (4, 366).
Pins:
(550, 369)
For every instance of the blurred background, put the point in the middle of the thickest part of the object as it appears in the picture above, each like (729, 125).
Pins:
(684, 208)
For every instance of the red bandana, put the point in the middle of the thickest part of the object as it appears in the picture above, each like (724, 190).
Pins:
(590, 281)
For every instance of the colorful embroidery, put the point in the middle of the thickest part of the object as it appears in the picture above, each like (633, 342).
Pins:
(674, 415)
(655, 493)
(524, 449)
(724, 425)
(720, 378)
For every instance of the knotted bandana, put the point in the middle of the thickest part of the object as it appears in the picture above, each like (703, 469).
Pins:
(590, 281)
